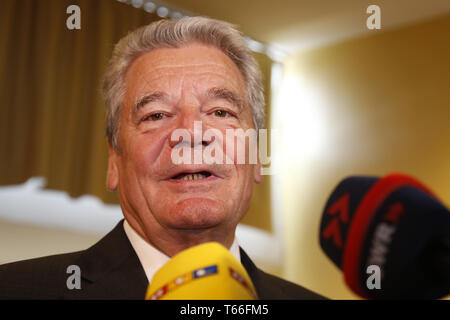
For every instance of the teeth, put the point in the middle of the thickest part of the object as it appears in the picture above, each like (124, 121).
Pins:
(194, 176)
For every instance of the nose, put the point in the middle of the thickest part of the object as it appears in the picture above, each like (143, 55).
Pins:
(189, 129)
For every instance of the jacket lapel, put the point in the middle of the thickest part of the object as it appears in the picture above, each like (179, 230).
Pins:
(110, 269)
(264, 285)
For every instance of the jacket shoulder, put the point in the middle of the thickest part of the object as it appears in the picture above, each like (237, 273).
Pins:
(41, 278)
(272, 287)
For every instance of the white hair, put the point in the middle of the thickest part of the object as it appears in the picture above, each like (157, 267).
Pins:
(175, 34)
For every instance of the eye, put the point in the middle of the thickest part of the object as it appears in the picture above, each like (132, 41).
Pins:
(221, 113)
(154, 116)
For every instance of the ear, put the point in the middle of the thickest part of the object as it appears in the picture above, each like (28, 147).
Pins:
(112, 176)
(257, 173)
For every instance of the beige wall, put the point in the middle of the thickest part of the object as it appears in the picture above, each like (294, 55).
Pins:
(20, 241)
(369, 106)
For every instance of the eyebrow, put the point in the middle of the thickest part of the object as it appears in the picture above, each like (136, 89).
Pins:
(218, 93)
(147, 98)
(226, 94)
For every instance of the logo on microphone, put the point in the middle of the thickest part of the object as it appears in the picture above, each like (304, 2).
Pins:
(383, 236)
(339, 210)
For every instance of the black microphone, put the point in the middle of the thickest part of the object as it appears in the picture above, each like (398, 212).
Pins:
(396, 224)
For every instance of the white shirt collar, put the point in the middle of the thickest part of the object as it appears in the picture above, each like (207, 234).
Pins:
(151, 258)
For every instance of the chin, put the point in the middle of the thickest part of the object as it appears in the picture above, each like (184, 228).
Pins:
(197, 213)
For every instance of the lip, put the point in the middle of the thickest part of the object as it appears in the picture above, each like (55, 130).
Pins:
(192, 169)
(211, 178)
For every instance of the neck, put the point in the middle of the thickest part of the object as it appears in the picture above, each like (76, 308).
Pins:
(173, 241)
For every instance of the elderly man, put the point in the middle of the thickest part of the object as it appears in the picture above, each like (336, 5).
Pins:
(163, 77)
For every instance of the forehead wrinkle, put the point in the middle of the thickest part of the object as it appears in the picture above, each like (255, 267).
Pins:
(224, 87)
(149, 76)
(156, 74)
(144, 68)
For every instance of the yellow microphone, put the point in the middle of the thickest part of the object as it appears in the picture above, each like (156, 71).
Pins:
(204, 272)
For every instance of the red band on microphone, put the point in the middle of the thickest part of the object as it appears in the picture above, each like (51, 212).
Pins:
(363, 216)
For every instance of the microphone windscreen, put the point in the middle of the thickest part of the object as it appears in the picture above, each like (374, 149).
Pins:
(338, 214)
(387, 223)
(203, 272)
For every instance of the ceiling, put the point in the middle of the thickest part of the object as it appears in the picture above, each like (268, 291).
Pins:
(296, 25)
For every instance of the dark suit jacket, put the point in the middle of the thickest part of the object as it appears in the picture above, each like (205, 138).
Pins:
(110, 269)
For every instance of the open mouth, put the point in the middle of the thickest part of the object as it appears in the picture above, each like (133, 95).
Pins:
(188, 176)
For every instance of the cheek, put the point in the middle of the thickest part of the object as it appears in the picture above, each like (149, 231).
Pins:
(248, 189)
(243, 187)
(145, 151)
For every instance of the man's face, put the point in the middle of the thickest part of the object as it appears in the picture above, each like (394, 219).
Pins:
(169, 89)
